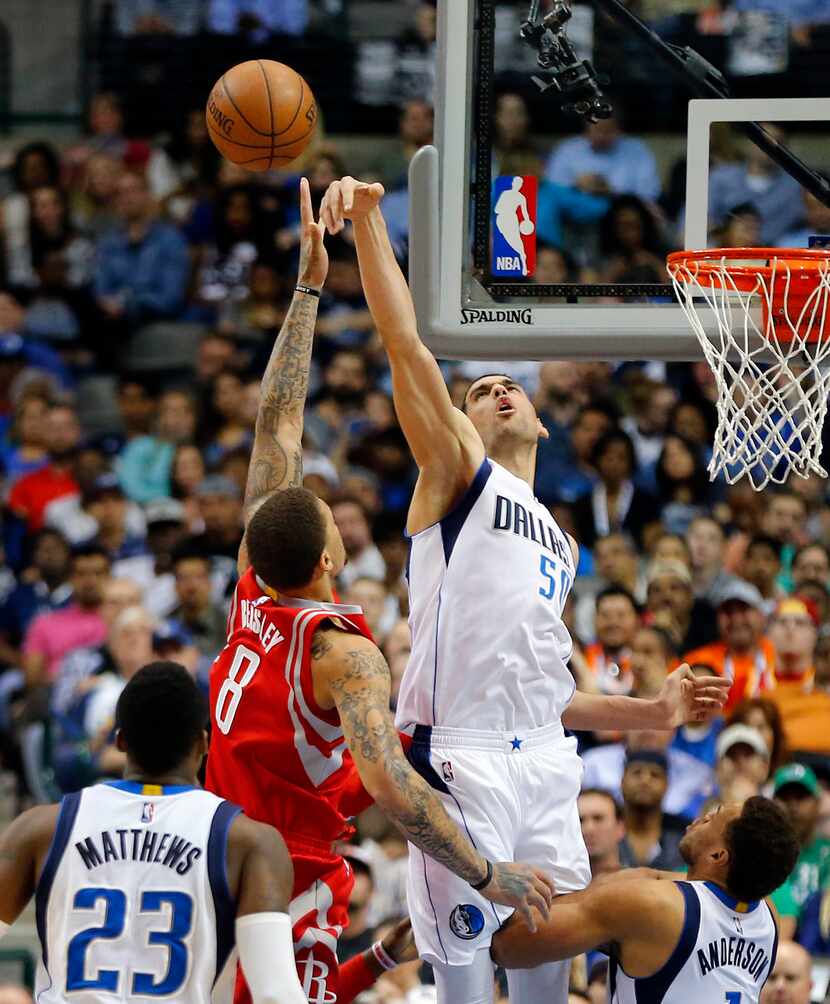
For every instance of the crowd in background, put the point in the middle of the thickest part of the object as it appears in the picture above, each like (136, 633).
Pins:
(142, 284)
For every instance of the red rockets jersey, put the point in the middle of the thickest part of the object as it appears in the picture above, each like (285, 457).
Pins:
(273, 750)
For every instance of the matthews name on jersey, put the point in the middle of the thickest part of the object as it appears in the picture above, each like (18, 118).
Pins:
(488, 585)
(725, 954)
(133, 901)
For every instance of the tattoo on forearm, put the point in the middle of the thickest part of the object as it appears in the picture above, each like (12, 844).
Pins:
(361, 693)
(284, 391)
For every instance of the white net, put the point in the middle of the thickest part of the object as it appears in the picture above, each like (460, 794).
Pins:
(766, 336)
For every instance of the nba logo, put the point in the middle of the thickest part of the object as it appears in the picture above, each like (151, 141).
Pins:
(514, 226)
(148, 812)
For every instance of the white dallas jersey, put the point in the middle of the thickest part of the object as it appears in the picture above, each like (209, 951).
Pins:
(725, 954)
(133, 903)
(487, 587)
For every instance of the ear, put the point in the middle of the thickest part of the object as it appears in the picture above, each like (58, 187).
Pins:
(541, 431)
(120, 743)
(325, 564)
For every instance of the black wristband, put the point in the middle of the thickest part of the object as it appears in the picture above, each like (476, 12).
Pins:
(488, 878)
(308, 290)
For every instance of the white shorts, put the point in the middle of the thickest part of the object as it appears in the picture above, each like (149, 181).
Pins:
(515, 798)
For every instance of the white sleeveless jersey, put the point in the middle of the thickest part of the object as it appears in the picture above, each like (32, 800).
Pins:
(487, 587)
(724, 956)
(133, 903)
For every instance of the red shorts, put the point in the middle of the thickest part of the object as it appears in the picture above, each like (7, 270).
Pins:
(319, 906)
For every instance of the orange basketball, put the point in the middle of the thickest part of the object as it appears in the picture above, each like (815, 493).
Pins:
(261, 114)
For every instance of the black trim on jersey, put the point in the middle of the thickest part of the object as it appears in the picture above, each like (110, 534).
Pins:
(60, 838)
(217, 863)
(418, 756)
(774, 955)
(652, 989)
(453, 523)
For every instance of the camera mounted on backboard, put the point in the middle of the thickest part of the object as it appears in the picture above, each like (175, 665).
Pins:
(574, 79)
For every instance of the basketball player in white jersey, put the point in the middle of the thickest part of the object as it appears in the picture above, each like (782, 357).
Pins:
(711, 937)
(487, 687)
(142, 886)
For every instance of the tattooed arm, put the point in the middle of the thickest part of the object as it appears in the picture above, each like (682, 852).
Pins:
(351, 674)
(277, 454)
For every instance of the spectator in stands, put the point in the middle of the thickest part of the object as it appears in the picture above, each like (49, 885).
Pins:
(601, 819)
(143, 266)
(742, 765)
(415, 70)
(614, 503)
(605, 161)
(153, 571)
(28, 450)
(741, 228)
(683, 483)
(137, 407)
(85, 742)
(358, 936)
(615, 563)
(196, 610)
(790, 981)
(258, 18)
(33, 492)
(51, 636)
(741, 652)
(187, 472)
(41, 588)
(797, 790)
(93, 201)
(759, 181)
(514, 149)
(220, 506)
(672, 547)
(144, 467)
(651, 836)
(364, 558)
(651, 410)
(706, 541)
(105, 502)
(35, 165)
(341, 398)
(106, 135)
(817, 217)
(609, 658)
(188, 165)
(652, 656)
(671, 605)
(804, 708)
(762, 714)
(813, 932)
(811, 563)
(415, 125)
(761, 567)
(51, 232)
(226, 425)
(630, 244)
(784, 521)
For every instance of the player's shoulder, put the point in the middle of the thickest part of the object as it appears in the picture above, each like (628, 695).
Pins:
(246, 835)
(33, 829)
(332, 641)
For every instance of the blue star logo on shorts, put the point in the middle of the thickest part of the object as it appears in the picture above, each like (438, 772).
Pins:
(466, 921)
(516, 743)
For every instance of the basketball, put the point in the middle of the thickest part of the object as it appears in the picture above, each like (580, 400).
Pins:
(261, 114)
(526, 227)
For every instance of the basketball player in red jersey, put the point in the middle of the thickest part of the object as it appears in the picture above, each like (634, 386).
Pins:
(300, 693)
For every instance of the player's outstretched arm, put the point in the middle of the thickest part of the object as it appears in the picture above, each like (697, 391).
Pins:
(23, 849)
(628, 913)
(684, 698)
(440, 436)
(356, 676)
(277, 454)
(260, 868)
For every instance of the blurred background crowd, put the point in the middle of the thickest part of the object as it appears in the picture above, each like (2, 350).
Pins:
(142, 283)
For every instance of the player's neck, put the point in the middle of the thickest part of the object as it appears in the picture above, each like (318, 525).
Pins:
(177, 778)
(519, 459)
(321, 590)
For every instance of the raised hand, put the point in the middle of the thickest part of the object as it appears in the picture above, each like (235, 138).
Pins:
(522, 887)
(314, 259)
(686, 698)
(399, 942)
(348, 199)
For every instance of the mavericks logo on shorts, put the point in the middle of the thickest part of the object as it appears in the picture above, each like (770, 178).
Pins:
(514, 226)
(466, 922)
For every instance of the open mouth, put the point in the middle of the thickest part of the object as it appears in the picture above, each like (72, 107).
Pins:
(506, 408)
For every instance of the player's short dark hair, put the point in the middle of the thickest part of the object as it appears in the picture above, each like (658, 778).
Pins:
(286, 537)
(484, 376)
(604, 793)
(161, 714)
(763, 850)
(609, 591)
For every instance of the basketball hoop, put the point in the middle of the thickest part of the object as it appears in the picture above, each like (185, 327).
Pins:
(762, 317)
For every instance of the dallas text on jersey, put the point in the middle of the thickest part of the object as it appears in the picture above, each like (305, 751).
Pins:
(166, 849)
(513, 517)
